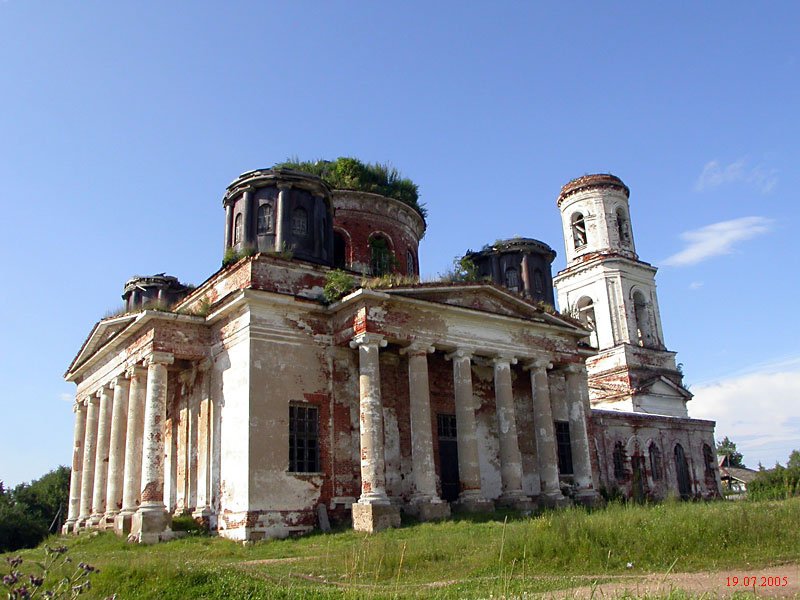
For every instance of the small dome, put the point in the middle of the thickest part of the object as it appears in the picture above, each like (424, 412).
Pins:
(599, 180)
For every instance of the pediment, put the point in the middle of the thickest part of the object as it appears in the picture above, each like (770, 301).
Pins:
(101, 333)
(481, 297)
(661, 386)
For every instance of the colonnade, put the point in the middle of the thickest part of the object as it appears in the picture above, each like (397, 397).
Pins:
(117, 475)
(425, 497)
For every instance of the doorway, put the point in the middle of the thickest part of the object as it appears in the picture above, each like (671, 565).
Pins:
(448, 457)
(638, 487)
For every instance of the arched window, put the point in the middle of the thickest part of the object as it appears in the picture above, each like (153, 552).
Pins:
(619, 461)
(623, 228)
(339, 251)
(300, 222)
(644, 335)
(585, 308)
(237, 229)
(655, 462)
(708, 459)
(682, 472)
(578, 230)
(538, 281)
(380, 256)
(512, 279)
(264, 219)
(411, 264)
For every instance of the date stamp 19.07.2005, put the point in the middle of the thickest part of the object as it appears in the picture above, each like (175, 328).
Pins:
(757, 581)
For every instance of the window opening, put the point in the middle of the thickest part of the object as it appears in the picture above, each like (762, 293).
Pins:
(303, 439)
(655, 462)
(538, 282)
(300, 222)
(682, 471)
(410, 263)
(380, 256)
(619, 461)
(578, 230)
(623, 230)
(563, 448)
(708, 458)
(339, 251)
(512, 279)
(642, 315)
(264, 219)
(446, 427)
(237, 229)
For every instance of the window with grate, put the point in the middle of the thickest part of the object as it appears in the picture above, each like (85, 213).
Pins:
(300, 222)
(380, 256)
(411, 268)
(303, 439)
(446, 427)
(578, 230)
(563, 448)
(655, 462)
(512, 279)
(237, 229)
(538, 281)
(264, 219)
(619, 461)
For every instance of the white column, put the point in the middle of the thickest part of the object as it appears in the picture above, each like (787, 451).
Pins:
(79, 433)
(89, 452)
(132, 472)
(101, 460)
(151, 519)
(280, 216)
(373, 477)
(469, 469)
(423, 466)
(204, 446)
(116, 457)
(578, 404)
(510, 456)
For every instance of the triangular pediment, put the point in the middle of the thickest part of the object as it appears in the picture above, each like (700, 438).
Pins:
(661, 386)
(101, 333)
(481, 297)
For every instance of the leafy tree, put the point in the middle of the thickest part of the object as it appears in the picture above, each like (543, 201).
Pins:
(463, 269)
(794, 460)
(727, 448)
(27, 511)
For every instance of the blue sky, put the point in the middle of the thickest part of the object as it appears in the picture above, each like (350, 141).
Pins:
(121, 124)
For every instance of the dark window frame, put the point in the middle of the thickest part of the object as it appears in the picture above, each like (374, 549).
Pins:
(264, 220)
(656, 464)
(563, 448)
(304, 456)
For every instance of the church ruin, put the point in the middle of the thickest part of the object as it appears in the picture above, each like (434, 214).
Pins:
(251, 403)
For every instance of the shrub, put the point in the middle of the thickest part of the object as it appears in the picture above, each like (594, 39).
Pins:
(775, 484)
(338, 284)
(463, 270)
(187, 523)
(347, 173)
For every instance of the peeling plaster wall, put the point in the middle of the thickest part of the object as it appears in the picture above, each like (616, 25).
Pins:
(636, 432)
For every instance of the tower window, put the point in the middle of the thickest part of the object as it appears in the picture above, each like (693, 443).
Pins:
(512, 279)
(655, 462)
(264, 219)
(708, 459)
(538, 281)
(237, 229)
(644, 333)
(380, 256)
(303, 439)
(411, 268)
(619, 461)
(578, 230)
(563, 447)
(623, 229)
(300, 222)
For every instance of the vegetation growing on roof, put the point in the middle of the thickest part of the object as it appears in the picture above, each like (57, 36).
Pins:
(347, 173)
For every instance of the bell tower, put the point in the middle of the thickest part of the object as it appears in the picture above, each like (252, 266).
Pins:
(613, 293)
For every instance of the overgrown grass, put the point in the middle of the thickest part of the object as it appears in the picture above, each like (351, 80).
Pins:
(463, 558)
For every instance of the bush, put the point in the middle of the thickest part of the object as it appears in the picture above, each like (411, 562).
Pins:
(27, 511)
(187, 523)
(776, 484)
(338, 284)
(347, 173)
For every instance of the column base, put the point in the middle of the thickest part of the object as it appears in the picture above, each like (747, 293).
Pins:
(122, 522)
(375, 517)
(516, 500)
(473, 502)
(81, 524)
(150, 524)
(588, 497)
(109, 519)
(428, 509)
(95, 520)
(554, 499)
(203, 515)
(69, 527)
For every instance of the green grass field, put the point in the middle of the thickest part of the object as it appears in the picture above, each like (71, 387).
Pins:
(501, 555)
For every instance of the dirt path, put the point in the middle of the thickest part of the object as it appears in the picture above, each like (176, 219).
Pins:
(771, 582)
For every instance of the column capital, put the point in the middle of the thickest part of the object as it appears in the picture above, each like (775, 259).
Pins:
(248, 189)
(78, 406)
(539, 362)
(160, 358)
(282, 185)
(87, 400)
(573, 368)
(368, 339)
(418, 347)
(120, 379)
(504, 359)
(460, 353)
(135, 370)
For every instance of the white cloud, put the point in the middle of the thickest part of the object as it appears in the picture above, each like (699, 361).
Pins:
(695, 285)
(758, 411)
(717, 239)
(715, 174)
(67, 397)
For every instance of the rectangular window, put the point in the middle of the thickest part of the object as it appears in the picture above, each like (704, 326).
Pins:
(563, 447)
(446, 427)
(303, 439)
